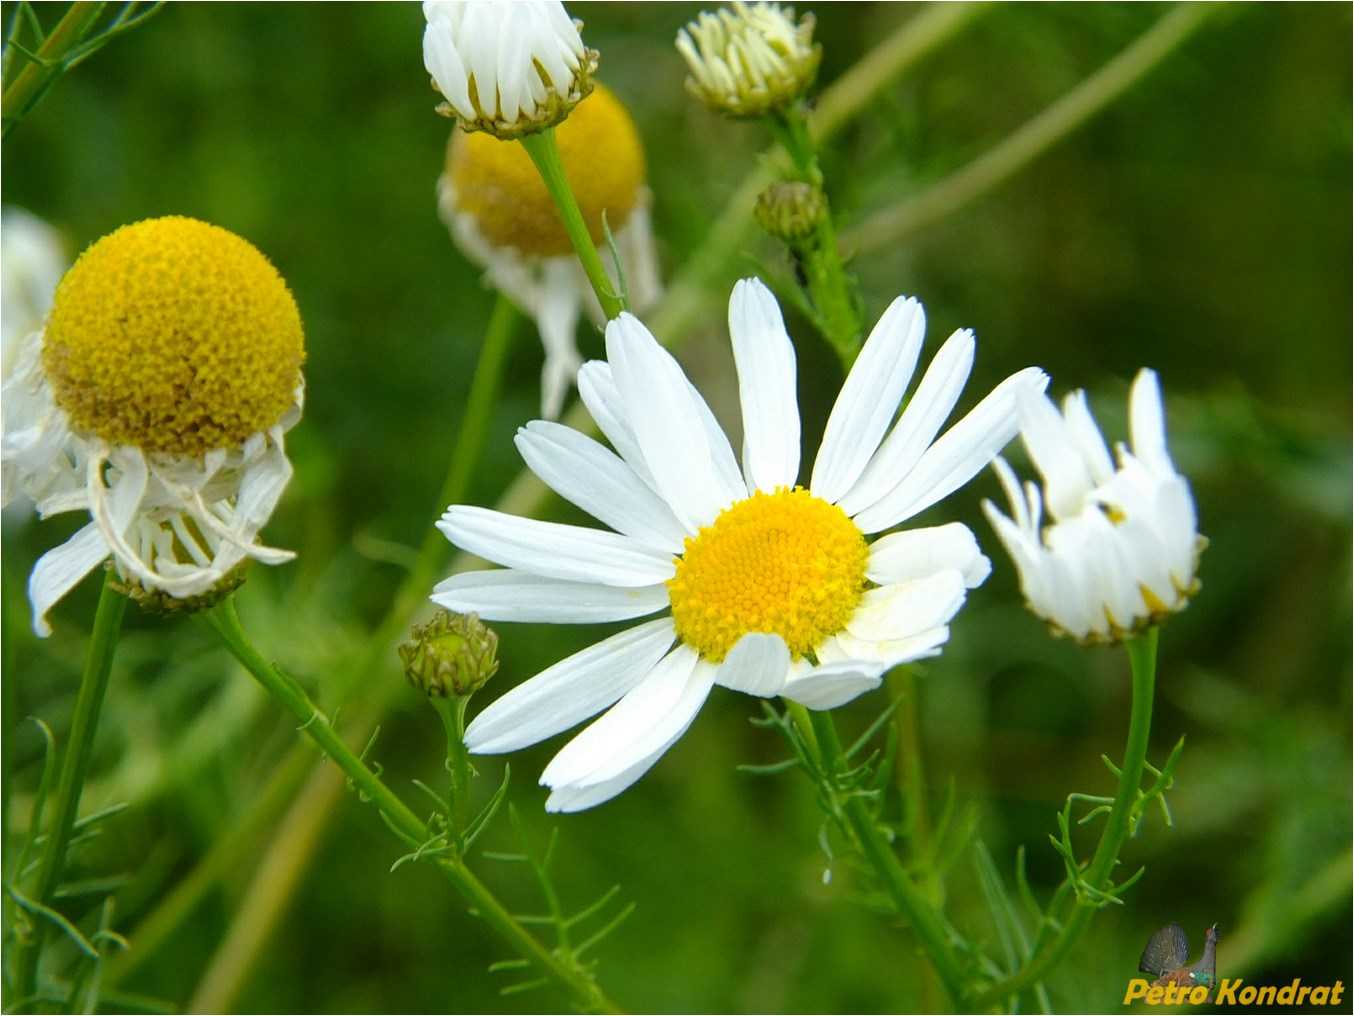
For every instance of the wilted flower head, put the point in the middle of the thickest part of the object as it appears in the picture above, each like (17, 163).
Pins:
(1122, 545)
(501, 215)
(156, 398)
(750, 60)
(758, 584)
(506, 68)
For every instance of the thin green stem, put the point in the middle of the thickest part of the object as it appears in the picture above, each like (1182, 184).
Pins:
(1023, 146)
(1142, 654)
(103, 642)
(223, 621)
(544, 151)
(452, 711)
(926, 923)
(29, 84)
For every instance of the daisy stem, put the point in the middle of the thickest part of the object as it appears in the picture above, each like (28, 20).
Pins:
(926, 922)
(543, 148)
(103, 641)
(452, 711)
(1142, 655)
(225, 623)
(832, 300)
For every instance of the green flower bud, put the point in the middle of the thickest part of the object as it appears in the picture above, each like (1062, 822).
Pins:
(451, 655)
(790, 211)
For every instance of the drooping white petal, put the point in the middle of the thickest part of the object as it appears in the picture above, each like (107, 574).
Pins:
(666, 421)
(639, 727)
(957, 456)
(833, 684)
(597, 480)
(757, 665)
(556, 314)
(60, 569)
(916, 553)
(868, 399)
(555, 550)
(511, 595)
(929, 407)
(569, 692)
(765, 359)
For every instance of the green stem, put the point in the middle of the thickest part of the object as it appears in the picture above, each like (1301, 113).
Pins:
(103, 642)
(225, 623)
(27, 87)
(1142, 655)
(1038, 135)
(452, 711)
(926, 923)
(544, 151)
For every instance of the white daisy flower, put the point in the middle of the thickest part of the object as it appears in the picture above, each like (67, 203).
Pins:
(506, 68)
(1122, 544)
(750, 60)
(502, 217)
(763, 586)
(156, 399)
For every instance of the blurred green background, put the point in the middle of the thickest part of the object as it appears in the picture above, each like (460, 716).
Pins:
(1201, 226)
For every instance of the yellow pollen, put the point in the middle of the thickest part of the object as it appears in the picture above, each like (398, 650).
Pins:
(173, 335)
(497, 183)
(786, 563)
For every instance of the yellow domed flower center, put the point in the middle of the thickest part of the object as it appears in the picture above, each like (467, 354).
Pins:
(497, 183)
(786, 563)
(173, 335)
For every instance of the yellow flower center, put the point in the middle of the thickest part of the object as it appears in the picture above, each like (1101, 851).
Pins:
(786, 563)
(497, 183)
(173, 335)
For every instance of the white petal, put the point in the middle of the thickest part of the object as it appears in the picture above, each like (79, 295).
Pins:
(868, 399)
(511, 595)
(1055, 453)
(894, 612)
(572, 690)
(597, 387)
(957, 456)
(554, 550)
(765, 359)
(888, 654)
(1147, 423)
(666, 420)
(833, 684)
(639, 727)
(929, 407)
(916, 553)
(1086, 436)
(59, 571)
(597, 480)
(757, 665)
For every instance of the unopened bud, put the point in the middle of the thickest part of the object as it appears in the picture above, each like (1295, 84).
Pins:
(790, 211)
(451, 655)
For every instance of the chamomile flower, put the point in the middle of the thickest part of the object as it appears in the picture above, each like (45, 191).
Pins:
(156, 398)
(750, 59)
(759, 585)
(502, 217)
(506, 68)
(1121, 546)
